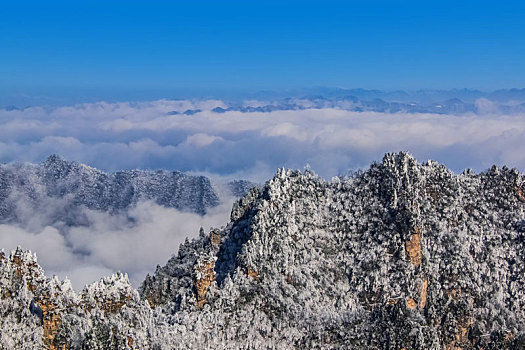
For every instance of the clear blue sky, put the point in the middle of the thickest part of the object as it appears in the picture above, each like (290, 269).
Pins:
(251, 45)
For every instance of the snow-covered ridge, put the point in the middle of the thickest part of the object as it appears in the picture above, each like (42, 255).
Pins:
(403, 255)
(81, 221)
(71, 185)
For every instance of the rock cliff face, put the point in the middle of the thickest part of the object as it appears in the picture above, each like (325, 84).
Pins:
(46, 313)
(401, 256)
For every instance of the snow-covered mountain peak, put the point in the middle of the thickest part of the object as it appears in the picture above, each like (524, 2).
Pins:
(402, 255)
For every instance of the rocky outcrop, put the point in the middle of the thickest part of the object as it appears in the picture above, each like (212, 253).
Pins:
(50, 323)
(204, 277)
(401, 256)
(520, 193)
(56, 312)
(413, 248)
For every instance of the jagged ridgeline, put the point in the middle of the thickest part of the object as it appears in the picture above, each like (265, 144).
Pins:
(61, 189)
(403, 255)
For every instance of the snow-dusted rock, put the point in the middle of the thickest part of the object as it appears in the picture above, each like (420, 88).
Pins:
(58, 190)
(402, 255)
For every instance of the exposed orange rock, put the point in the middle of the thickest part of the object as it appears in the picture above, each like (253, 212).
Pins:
(17, 260)
(461, 340)
(520, 193)
(411, 303)
(413, 247)
(31, 287)
(130, 342)
(203, 283)
(253, 274)
(51, 319)
(452, 346)
(51, 323)
(454, 293)
(462, 330)
(423, 295)
(109, 306)
(391, 301)
(215, 238)
(153, 299)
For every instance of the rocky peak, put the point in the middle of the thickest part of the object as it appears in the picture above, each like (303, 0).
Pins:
(403, 255)
(54, 160)
(62, 189)
(52, 307)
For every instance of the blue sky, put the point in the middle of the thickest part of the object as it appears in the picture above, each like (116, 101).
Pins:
(164, 47)
(115, 54)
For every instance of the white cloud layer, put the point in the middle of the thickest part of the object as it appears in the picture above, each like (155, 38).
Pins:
(233, 144)
(112, 243)
(114, 136)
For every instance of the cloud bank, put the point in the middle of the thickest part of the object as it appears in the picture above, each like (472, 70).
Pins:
(134, 242)
(153, 135)
(206, 137)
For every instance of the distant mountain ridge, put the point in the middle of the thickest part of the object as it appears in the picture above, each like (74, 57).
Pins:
(352, 103)
(402, 255)
(422, 97)
(72, 185)
(455, 102)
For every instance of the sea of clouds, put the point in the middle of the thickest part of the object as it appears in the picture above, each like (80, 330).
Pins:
(133, 242)
(116, 136)
(234, 144)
